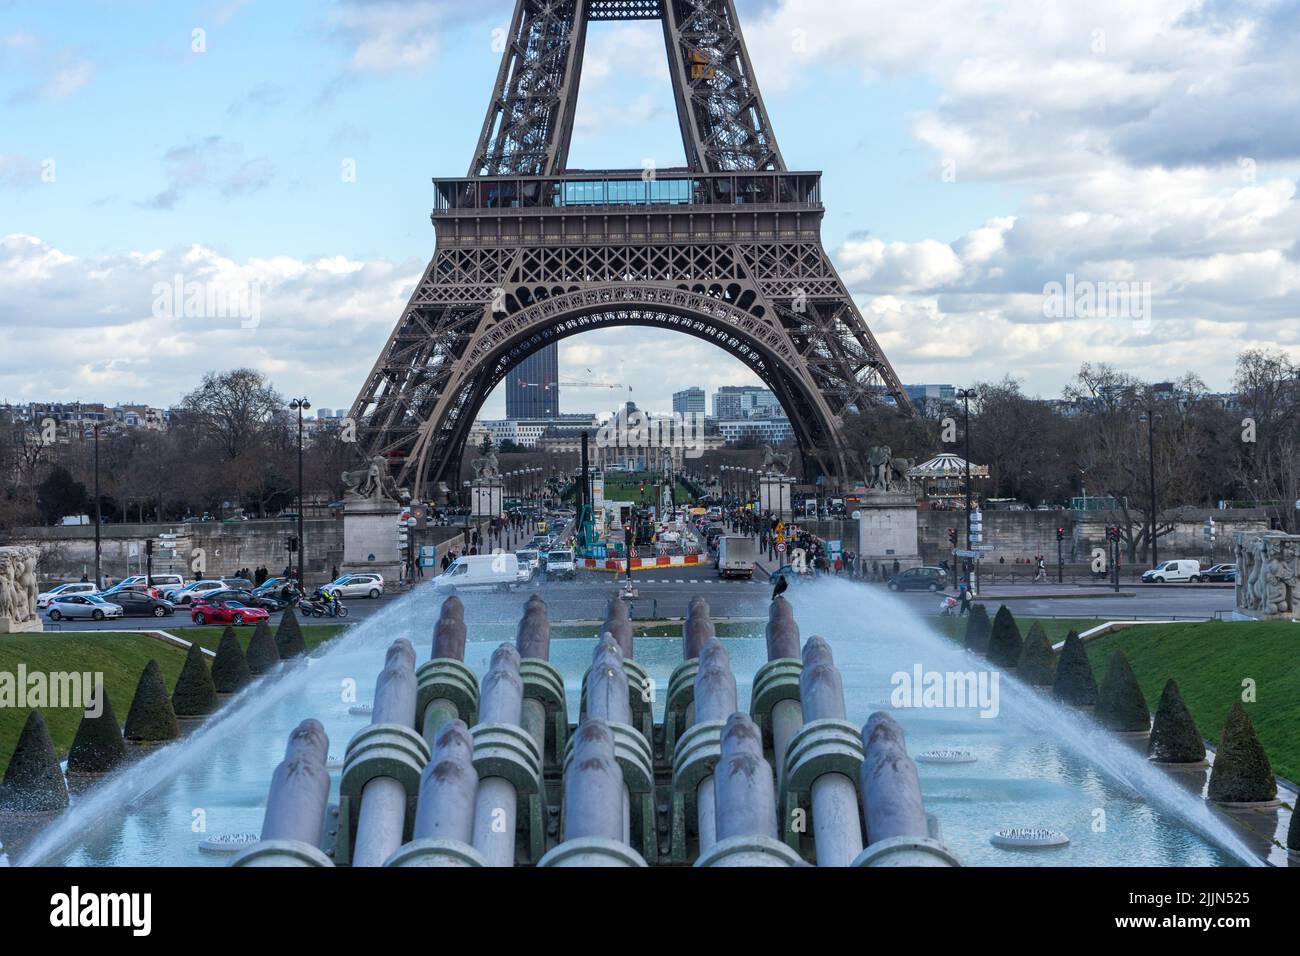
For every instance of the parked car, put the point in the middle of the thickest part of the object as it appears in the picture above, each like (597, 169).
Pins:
(238, 584)
(791, 575)
(44, 599)
(919, 579)
(139, 603)
(1178, 570)
(267, 602)
(357, 585)
(124, 588)
(1221, 573)
(227, 612)
(82, 606)
(183, 597)
(271, 585)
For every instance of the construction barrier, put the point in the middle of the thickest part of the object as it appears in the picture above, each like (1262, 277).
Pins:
(619, 565)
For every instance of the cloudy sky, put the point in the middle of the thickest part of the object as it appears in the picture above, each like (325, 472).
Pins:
(975, 152)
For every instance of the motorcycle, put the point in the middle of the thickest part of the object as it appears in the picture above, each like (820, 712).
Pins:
(319, 607)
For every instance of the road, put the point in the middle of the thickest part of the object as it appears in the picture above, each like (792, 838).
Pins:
(665, 595)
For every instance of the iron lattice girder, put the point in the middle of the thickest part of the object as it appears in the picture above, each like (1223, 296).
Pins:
(728, 250)
(724, 123)
(529, 122)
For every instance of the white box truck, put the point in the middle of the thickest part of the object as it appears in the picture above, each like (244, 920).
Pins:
(736, 556)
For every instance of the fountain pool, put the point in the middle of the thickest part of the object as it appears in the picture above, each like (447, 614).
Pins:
(1035, 765)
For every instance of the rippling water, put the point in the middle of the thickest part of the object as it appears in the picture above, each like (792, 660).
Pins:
(1037, 765)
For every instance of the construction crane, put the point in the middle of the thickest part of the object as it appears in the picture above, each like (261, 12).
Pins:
(551, 386)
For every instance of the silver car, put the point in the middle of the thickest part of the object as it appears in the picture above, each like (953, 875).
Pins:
(357, 585)
(83, 607)
(64, 590)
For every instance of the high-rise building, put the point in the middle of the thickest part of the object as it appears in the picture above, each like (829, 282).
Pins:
(689, 401)
(533, 388)
(734, 402)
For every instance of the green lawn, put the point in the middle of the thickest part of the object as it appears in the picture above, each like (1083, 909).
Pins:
(121, 657)
(1210, 661)
(621, 487)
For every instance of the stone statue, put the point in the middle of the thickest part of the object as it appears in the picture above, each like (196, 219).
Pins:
(898, 472)
(487, 466)
(373, 483)
(1268, 574)
(879, 458)
(18, 589)
(776, 462)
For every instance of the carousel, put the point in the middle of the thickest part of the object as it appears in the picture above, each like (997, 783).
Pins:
(941, 482)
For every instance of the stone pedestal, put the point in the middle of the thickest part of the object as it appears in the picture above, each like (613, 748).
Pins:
(370, 537)
(9, 626)
(887, 530)
(1268, 575)
(486, 498)
(774, 495)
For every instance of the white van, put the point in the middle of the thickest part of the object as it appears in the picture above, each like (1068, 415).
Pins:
(499, 571)
(1179, 570)
(560, 565)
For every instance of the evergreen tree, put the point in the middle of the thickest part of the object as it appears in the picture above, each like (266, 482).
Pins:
(1005, 644)
(288, 636)
(1242, 773)
(1120, 703)
(262, 654)
(33, 782)
(151, 718)
(98, 746)
(978, 629)
(230, 673)
(1037, 665)
(1174, 737)
(195, 694)
(1075, 683)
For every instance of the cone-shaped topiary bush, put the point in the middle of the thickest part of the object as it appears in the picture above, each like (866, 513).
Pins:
(1174, 737)
(151, 718)
(1242, 773)
(288, 636)
(1074, 682)
(195, 694)
(1120, 704)
(33, 782)
(230, 672)
(1037, 665)
(977, 629)
(262, 654)
(1005, 644)
(98, 746)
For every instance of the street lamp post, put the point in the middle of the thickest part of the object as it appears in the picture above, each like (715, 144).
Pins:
(966, 394)
(1151, 473)
(99, 517)
(300, 405)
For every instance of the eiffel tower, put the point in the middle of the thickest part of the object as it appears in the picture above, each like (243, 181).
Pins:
(529, 252)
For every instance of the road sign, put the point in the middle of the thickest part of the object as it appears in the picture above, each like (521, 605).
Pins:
(963, 553)
(982, 547)
(780, 549)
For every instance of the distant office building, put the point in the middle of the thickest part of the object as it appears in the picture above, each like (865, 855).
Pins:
(689, 401)
(734, 402)
(533, 388)
(931, 393)
(767, 431)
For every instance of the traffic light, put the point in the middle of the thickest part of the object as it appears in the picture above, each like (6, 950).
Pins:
(952, 537)
(148, 548)
(1060, 534)
(293, 544)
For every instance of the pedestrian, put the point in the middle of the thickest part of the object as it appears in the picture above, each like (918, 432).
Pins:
(896, 566)
(964, 593)
(839, 565)
(334, 573)
(1041, 574)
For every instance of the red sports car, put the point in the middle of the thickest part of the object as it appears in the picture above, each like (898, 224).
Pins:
(227, 612)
